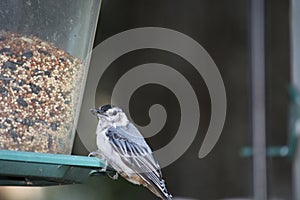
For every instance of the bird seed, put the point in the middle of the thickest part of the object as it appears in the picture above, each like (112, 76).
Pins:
(37, 94)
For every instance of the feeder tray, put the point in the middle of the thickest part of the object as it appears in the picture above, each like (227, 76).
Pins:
(18, 168)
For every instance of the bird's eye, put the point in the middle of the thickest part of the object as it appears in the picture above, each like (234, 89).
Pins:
(114, 113)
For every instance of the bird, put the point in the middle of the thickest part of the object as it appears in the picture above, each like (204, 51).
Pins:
(123, 148)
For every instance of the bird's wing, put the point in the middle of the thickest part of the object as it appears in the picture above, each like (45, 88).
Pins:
(137, 155)
(133, 149)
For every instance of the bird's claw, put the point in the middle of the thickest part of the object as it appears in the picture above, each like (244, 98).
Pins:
(93, 154)
(97, 172)
(114, 177)
(102, 171)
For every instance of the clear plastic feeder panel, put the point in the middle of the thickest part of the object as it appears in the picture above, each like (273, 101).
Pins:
(44, 47)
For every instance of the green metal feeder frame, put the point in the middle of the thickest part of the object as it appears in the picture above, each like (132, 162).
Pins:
(294, 120)
(19, 168)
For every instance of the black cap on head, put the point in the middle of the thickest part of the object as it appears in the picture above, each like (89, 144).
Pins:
(105, 108)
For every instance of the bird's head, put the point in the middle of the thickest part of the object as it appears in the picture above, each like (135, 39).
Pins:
(111, 115)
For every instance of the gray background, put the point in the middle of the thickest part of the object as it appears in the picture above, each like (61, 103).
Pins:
(222, 28)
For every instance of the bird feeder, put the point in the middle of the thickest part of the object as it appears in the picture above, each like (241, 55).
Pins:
(44, 59)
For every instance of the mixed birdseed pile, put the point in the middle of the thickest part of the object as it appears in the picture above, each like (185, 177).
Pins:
(37, 101)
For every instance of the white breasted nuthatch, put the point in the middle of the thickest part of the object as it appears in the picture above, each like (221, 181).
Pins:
(123, 148)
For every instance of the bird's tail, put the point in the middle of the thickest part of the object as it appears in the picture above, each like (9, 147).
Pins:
(161, 190)
(164, 191)
(169, 197)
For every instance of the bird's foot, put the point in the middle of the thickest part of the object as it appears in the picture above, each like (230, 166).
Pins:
(114, 177)
(99, 171)
(95, 172)
(104, 169)
(94, 154)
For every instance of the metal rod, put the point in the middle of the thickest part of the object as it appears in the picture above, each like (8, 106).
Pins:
(258, 98)
(295, 71)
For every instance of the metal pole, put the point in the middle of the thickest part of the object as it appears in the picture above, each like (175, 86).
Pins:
(258, 98)
(295, 60)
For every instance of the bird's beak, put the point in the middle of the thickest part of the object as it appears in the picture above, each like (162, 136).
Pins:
(96, 111)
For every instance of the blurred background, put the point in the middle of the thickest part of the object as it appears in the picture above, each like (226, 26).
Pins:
(223, 29)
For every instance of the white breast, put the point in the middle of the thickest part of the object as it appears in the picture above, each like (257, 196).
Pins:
(110, 155)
